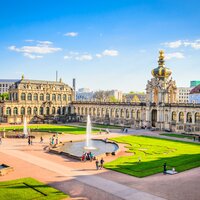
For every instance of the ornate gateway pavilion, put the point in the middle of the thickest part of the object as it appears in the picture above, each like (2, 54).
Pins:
(37, 100)
(160, 111)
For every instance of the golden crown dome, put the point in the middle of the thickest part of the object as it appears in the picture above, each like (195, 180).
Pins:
(161, 71)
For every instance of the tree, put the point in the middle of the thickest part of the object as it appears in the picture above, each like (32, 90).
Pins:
(4, 96)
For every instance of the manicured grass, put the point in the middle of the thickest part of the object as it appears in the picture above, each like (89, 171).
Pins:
(154, 153)
(28, 188)
(102, 126)
(177, 135)
(50, 128)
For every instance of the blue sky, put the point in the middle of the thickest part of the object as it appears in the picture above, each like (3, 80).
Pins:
(104, 44)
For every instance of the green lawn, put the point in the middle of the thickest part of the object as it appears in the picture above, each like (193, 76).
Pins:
(27, 189)
(177, 135)
(154, 153)
(51, 128)
(102, 126)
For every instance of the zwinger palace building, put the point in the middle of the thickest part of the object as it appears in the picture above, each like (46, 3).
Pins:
(37, 100)
(160, 110)
(42, 101)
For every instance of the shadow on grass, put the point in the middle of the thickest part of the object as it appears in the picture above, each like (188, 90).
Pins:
(146, 168)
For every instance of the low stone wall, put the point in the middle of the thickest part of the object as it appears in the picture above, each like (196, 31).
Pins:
(6, 169)
(57, 150)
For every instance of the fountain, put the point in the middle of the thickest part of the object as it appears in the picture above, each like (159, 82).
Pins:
(25, 131)
(99, 147)
(88, 135)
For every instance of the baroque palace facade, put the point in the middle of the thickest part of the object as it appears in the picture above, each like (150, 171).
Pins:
(160, 111)
(37, 100)
(46, 101)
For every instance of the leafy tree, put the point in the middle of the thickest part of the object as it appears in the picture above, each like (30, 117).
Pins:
(4, 96)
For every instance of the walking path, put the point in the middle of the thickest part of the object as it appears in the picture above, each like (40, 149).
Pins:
(82, 180)
(108, 186)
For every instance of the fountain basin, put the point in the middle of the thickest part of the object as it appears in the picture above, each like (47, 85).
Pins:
(75, 149)
(4, 169)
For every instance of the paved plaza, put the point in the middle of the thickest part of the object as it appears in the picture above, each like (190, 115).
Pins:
(81, 180)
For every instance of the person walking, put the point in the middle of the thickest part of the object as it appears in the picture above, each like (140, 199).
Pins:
(41, 139)
(97, 164)
(164, 168)
(101, 163)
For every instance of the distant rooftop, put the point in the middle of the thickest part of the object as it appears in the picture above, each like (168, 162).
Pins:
(8, 80)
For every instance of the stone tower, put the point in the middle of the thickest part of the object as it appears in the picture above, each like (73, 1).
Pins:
(161, 89)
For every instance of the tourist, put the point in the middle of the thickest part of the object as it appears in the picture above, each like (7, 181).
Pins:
(126, 130)
(101, 163)
(97, 164)
(164, 168)
(29, 140)
(41, 139)
(0, 140)
(194, 138)
(83, 157)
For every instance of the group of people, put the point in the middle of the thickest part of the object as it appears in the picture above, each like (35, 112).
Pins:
(87, 156)
(196, 138)
(124, 130)
(53, 140)
(99, 164)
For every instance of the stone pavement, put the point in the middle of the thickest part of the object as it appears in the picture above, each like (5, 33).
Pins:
(107, 186)
(82, 181)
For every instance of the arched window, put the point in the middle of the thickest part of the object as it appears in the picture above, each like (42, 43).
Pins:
(116, 113)
(189, 117)
(22, 111)
(59, 97)
(174, 116)
(29, 111)
(181, 117)
(53, 110)
(8, 111)
(121, 113)
(47, 110)
(23, 96)
(15, 111)
(29, 97)
(64, 97)
(82, 110)
(58, 111)
(197, 117)
(53, 97)
(41, 111)
(138, 114)
(127, 113)
(48, 97)
(90, 111)
(86, 111)
(41, 97)
(35, 110)
(35, 97)
(132, 114)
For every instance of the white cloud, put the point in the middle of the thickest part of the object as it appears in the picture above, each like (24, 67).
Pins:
(174, 44)
(67, 57)
(45, 43)
(85, 57)
(177, 55)
(71, 34)
(29, 40)
(110, 52)
(41, 47)
(185, 43)
(98, 55)
(32, 56)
